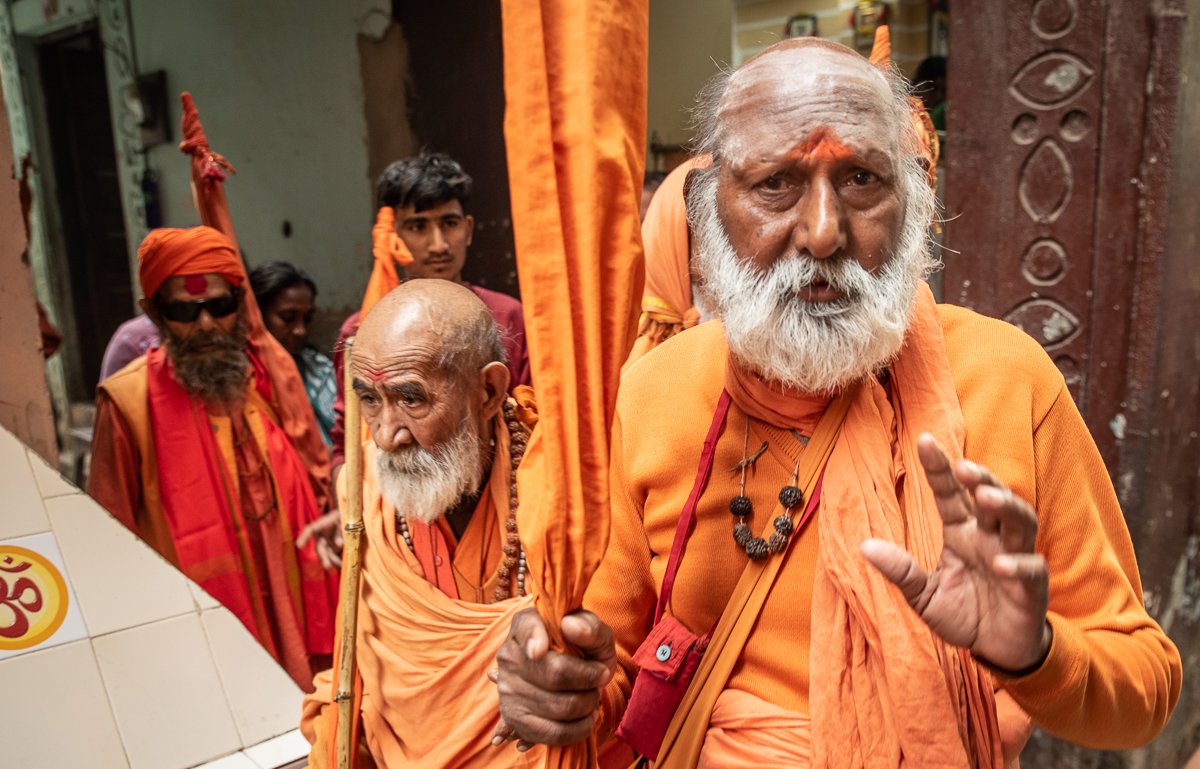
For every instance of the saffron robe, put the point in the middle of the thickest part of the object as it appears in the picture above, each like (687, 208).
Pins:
(282, 596)
(426, 637)
(1111, 677)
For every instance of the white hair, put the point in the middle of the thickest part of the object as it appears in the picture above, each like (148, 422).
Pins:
(425, 484)
(812, 346)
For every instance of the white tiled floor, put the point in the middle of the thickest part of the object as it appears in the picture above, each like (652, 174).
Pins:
(279, 751)
(166, 694)
(54, 704)
(48, 479)
(120, 581)
(22, 512)
(264, 700)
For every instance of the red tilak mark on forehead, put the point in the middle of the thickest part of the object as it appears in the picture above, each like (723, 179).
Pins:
(821, 146)
(195, 284)
(374, 374)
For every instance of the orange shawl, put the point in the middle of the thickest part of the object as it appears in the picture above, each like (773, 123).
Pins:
(422, 655)
(868, 645)
(667, 305)
(575, 128)
(289, 399)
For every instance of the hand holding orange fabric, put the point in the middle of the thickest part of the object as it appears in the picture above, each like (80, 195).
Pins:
(990, 590)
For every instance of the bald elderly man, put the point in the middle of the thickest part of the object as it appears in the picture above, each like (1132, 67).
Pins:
(443, 569)
(877, 528)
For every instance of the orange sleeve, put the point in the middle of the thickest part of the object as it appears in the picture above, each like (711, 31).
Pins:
(115, 476)
(623, 591)
(1112, 676)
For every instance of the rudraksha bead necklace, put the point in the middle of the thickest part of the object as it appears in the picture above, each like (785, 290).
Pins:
(512, 564)
(741, 507)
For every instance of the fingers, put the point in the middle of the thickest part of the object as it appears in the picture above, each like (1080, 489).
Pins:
(899, 567)
(952, 501)
(1029, 568)
(547, 697)
(529, 632)
(593, 638)
(305, 534)
(1014, 518)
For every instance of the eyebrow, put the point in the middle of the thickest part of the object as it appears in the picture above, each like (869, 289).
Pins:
(442, 218)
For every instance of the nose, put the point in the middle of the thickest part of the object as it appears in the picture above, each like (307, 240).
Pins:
(206, 322)
(300, 330)
(821, 230)
(389, 431)
(439, 244)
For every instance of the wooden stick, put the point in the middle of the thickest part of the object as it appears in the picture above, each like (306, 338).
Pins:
(351, 565)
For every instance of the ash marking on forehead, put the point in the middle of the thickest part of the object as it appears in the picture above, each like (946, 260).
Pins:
(788, 91)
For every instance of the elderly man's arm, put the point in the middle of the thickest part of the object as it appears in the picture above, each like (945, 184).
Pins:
(114, 479)
(1112, 676)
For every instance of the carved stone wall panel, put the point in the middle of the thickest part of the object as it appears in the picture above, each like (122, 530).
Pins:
(1021, 213)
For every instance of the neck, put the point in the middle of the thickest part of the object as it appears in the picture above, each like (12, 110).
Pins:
(459, 516)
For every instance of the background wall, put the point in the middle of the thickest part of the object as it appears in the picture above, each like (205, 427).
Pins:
(689, 40)
(279, 89)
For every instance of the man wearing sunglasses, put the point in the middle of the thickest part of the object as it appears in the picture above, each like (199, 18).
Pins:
(206, 447)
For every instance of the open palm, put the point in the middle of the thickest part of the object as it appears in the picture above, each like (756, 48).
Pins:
(990, 590)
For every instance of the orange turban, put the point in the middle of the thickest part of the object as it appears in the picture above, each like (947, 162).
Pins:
(192, 251)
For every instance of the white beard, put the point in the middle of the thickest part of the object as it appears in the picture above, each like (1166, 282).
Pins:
(425, 484)
(813, 347)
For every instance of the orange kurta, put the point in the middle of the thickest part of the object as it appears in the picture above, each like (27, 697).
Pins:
(1108, 655)
(423, 655)
(125, 479)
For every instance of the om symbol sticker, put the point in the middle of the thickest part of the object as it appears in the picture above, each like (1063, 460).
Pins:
(33, 598)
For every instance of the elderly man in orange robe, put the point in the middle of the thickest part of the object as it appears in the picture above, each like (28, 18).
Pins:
(200, 445)
(443, 570)
(875, 528)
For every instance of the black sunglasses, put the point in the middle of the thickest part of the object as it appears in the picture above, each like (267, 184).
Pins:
(187, 312)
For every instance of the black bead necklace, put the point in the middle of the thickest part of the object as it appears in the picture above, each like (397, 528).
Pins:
(790, 497)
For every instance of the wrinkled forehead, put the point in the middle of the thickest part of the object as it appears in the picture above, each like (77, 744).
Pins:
(782, 96)
(403, 337)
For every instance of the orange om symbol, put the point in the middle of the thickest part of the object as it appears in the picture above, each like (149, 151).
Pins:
(15, 600)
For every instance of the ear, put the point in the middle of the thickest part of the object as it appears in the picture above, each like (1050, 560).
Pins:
(470, 222)
(148, 308)
(493, 382)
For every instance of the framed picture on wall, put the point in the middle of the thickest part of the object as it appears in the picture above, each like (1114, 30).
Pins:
(804, 25)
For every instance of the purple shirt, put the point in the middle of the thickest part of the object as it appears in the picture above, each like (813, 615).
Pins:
(131, 340)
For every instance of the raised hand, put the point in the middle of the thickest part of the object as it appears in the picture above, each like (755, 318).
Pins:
(546, 697)
(990, 590)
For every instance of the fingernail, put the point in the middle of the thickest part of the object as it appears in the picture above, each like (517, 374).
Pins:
(523, 747)
(1005, 565)
(497, 740)
(989, 494)
(530, 648)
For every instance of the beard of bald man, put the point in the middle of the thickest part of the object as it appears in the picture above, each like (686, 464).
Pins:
(815, 347)
(426, 483)
(210, 365)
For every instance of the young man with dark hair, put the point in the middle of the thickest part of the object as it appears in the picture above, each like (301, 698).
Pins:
(428, 194)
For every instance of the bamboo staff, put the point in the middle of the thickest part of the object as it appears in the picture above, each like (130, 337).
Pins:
(351, 565)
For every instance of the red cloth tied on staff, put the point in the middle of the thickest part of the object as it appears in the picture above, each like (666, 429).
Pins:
(575, 128)
(290, 400)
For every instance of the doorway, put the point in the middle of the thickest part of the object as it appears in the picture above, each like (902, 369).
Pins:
(88, 196)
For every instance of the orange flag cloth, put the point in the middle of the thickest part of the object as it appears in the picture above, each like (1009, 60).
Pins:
(575, 131)
(389, 251)
(287, 388)
(667, 306)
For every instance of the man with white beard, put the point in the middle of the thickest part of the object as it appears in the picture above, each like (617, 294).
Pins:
(442, 567)
(809, 563)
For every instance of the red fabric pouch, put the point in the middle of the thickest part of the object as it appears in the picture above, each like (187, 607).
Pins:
(667, 659)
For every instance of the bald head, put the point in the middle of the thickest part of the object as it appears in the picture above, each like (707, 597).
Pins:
(441, 317)
(764, 94)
